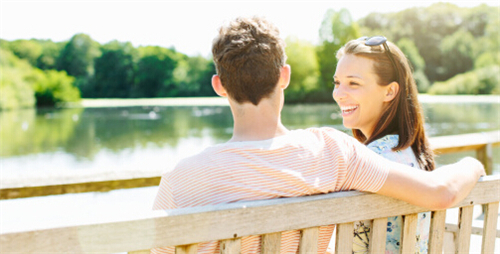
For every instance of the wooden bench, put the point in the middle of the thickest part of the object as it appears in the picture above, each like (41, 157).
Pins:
(184, 228)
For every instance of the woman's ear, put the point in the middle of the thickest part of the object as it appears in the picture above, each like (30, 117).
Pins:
(217, 86)
(391, 91)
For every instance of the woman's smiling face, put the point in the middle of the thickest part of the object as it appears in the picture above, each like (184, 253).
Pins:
(358, 94)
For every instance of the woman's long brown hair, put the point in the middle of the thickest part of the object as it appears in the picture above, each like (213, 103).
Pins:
(404, 115)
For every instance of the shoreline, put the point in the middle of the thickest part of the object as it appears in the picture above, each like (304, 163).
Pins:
(220, 101)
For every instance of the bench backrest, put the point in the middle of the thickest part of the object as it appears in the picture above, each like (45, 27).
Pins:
(228, 223)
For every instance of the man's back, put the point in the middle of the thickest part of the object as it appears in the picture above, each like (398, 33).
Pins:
(302, 162)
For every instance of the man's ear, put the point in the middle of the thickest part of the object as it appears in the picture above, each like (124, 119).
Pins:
(391, 91)
(217, 86)
(285, 73)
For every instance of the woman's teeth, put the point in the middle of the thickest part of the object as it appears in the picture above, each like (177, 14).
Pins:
(348, 109)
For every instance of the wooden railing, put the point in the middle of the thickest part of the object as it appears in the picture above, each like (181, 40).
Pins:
(482, 143)
(185, 228)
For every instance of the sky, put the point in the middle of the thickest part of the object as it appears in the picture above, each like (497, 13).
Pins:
(189, 26)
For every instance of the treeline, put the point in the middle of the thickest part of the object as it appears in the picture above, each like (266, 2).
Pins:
(453, 50)
(39, 69)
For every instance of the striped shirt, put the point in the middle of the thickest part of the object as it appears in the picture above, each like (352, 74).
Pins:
(300, 163)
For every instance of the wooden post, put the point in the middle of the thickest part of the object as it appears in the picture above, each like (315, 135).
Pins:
(489, 228)
(309, 240)
(485, 156)
(344, 238)
(409, 233)
(230, 246)
(139, 252)
(186, 249)
(271, 243)
(379, 236)
(464, 229)
(436, 232)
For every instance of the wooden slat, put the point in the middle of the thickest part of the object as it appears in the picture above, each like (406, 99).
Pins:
(378, 236)
(485, 156)
(344, 238)
(230, 246)
(186, 249)
(453, 228)
(490, 225)
(309, 240)
(464, 229)
(176, 227)
(409, 233)
(464, 142)
(78, 187)
(436, 231)
(271, 243)
(139, 252)
(449, 243)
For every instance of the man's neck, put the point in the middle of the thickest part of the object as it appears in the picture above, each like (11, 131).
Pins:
(261, 122)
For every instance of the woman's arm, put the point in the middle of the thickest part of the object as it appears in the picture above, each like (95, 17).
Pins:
(439, 189)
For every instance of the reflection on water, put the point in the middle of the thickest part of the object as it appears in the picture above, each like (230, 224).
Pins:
(50, 141)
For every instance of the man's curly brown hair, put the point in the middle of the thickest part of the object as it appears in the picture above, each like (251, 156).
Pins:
(248, 55)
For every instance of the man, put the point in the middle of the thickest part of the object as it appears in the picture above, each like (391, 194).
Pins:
(265, 160)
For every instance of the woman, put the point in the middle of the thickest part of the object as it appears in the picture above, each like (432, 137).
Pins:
(377, 95)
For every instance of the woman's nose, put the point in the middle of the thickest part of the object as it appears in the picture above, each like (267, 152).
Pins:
(338, 93)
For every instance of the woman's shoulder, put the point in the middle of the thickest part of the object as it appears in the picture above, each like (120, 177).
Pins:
(383, 146)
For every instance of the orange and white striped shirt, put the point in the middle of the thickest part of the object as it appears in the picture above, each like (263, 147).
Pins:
(300, 163)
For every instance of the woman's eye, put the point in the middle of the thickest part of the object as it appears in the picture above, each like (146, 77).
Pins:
(353, 84)
(336, 83)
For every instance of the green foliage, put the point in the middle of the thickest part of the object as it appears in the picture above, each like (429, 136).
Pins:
(114, 72)
(50, 54)
(155, 72)
(430, 27)
(26, 49)
(336, 30)
(479, 81)
(305, 70)
(23, 85)
(487, 59)
(15, 90)
(53, 87)
(459, 51)
(193, 76)
(417, 62)
(77, 57)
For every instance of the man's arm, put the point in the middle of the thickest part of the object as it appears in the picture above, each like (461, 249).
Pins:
(439, 189)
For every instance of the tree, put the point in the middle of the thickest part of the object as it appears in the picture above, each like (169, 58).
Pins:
(457, 54)
(26, 49)
(50, 54)
(193, 76)
(114, 72)
(154, 72)
(15, 91)
(410, 50)
(77, 56)
(336, 30)
(305, 75)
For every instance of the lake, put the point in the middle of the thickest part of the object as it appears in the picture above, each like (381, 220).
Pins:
(41, 142)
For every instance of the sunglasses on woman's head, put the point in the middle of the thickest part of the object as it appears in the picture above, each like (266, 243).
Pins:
(381, 40)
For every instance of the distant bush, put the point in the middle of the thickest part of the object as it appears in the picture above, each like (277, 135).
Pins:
(479, 81)
(15, 91)
(22, 85)
(52, 87)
